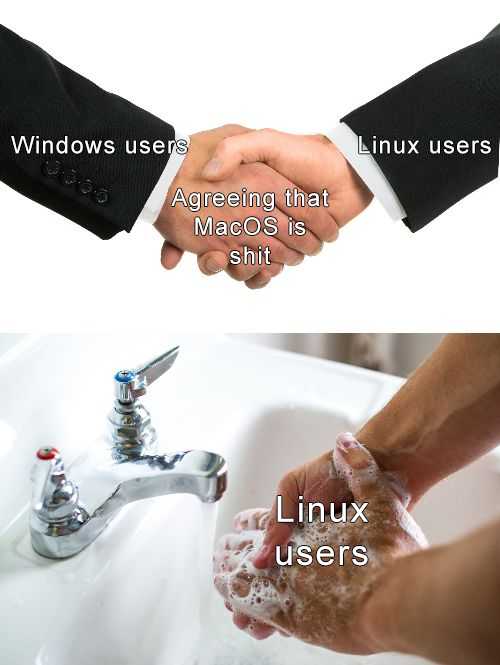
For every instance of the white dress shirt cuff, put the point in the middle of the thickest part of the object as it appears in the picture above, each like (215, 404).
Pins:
(154, 204)
(368, 170)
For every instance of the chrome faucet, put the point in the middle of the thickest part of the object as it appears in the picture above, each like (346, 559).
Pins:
(66, 515)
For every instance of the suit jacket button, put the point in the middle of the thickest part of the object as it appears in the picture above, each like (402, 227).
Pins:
(51, 168)
(69, 177)
(85, 186)
(101, 196)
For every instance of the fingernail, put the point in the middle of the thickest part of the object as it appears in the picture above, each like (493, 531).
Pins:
(354, 453)
(347, 441)
(212, 266)
(211, 168)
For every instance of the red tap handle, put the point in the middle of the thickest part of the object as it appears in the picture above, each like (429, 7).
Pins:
(47, 453)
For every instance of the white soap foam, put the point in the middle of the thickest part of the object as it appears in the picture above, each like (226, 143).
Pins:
(268, 595)
(231, 646)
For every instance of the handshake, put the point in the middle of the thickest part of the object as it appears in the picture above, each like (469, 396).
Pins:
(233, 159)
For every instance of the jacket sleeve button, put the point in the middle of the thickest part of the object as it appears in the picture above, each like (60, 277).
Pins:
(69, 177)
(85, 186)
(51, 168)
(101, 196)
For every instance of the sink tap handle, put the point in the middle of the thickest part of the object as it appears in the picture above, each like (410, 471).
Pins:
(54, 497)
(131, 384)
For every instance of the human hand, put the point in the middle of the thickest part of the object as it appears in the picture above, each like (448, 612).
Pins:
(312, 162)
(316, 481)
(176, 223)
(329, 605)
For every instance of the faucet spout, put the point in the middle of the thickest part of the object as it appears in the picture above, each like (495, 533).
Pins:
(197, 472)
(67, 517)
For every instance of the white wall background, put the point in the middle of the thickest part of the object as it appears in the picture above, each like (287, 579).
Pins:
(404, 351)
(292, 65)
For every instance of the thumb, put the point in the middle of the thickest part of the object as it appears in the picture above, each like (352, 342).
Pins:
(261, 145)
(170, 255)
(361, 472)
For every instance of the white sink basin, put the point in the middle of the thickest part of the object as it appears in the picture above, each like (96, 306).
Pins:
(142, 592)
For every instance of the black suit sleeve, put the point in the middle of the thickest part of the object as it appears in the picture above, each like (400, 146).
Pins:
(455, 98)
(39, 96)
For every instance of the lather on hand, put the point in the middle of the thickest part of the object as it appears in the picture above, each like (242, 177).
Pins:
(440, 420)
(450, 617)
(325, 605)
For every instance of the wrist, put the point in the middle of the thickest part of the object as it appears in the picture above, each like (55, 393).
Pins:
(391, 616)
(396, 436)
(380, 612)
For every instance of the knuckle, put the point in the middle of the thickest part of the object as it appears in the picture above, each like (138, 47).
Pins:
(234, 128)
(321, 138)
(268, 131)
(224, 146)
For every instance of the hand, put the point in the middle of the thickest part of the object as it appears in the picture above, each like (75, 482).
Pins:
(312, 162)
(316, 481)
(176, 223)
(329, 606)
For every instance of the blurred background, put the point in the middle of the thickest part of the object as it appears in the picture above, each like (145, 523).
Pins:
(394, 353)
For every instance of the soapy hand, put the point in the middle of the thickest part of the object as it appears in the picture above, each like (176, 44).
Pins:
(329, 605)
(316, 480)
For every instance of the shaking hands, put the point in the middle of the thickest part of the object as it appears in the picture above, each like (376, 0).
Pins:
(233, 158)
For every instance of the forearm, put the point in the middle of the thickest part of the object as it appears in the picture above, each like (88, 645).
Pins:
(98, 185)
(452, 615)
(456, 99)
(444, 417)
